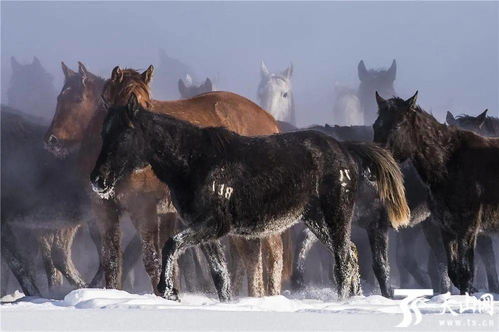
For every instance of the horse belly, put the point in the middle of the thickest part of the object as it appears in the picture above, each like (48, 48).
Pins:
(268, 225)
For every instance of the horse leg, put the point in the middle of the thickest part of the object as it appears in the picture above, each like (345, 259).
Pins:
(378, 239)
(250, 252)
(330, 220)
(306, 240)
(214, 253)
(235, 267)
(144, 217)
(440, 279)
(93, 230)
(61, 254)
(131, 255)
(407, 238)
(110, 234)
(46, 240)
(459, 250)
(197, 233)
(272, 246)
(16, 263)
(485, 249)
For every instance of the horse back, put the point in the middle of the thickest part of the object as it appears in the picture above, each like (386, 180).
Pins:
(219, 108)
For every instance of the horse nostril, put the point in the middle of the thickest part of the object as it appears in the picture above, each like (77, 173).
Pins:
(52, 139)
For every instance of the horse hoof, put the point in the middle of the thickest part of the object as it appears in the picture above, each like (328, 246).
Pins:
(161, 288)
(173, 295)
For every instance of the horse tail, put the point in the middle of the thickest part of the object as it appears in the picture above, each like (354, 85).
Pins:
(388, 177)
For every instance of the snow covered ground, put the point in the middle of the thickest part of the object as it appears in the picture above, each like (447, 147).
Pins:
(100, 309)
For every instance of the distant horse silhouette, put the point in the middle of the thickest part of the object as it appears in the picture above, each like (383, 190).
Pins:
(31, 88)
(219, 191)
(372, 81)
(480, 124)
(460, 168)
(41, 199)
(188, 89)
(169, 71)
(275, 94)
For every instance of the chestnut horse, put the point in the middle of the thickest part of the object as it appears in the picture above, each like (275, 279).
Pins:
(77, 124)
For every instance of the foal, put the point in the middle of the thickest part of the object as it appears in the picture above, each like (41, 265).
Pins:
(461, 170)
(222, 183)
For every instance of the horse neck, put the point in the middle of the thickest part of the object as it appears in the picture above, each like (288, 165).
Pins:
(92, 142)
(433, 149)
(178, 147)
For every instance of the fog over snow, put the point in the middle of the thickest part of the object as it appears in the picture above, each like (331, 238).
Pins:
(447, 50)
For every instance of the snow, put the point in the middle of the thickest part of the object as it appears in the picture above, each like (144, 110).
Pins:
(316, 309)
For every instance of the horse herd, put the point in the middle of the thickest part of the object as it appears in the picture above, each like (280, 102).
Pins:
(218, 176)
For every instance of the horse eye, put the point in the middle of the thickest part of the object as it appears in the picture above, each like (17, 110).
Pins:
(285, 94)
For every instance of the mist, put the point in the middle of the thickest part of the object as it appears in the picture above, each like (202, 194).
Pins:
(447, 50)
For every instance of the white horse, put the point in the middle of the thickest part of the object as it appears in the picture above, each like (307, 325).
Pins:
(347, 109)
(275, 94)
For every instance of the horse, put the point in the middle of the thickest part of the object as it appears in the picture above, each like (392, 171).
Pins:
(169, 71)
(486, 126)
(275, 94)
(218, 190)
(480, 124)
(41, 210)
(235, 113)
(370, 215)
(460, 168)
(76, 125)
(374, 80)
(31, 88)
(188, 90)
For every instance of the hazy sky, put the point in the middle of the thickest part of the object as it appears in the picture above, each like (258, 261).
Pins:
(448, 50)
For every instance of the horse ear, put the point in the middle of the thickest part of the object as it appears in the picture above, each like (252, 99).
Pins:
(362, 71)
(82, 69)
(288, 72)
(482, 117)
(83, 72)
(379, 100)
(411, 102)
(147, 75)
(264, 71)
(15, 65)
(132, 109)
(117, 74)
(188, 80)
(392, 72)
(450, 119)
(208, 85)
(65, 69)
(181, 87)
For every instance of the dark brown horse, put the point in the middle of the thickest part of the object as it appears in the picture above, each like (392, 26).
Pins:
(461, 170)
(76, 126)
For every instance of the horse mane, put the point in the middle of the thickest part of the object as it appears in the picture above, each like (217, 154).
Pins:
(132, 82)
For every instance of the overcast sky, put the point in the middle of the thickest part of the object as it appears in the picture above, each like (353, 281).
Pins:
(448, 51)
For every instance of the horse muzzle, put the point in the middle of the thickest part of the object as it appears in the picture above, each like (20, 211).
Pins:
(102, 184)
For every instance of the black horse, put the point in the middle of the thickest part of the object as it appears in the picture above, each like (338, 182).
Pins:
(480, 124)
(461, 169)
(223, 183)
(485, 126)
(369, 214)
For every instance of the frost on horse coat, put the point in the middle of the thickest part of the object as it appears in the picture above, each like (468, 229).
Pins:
(222, 183)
